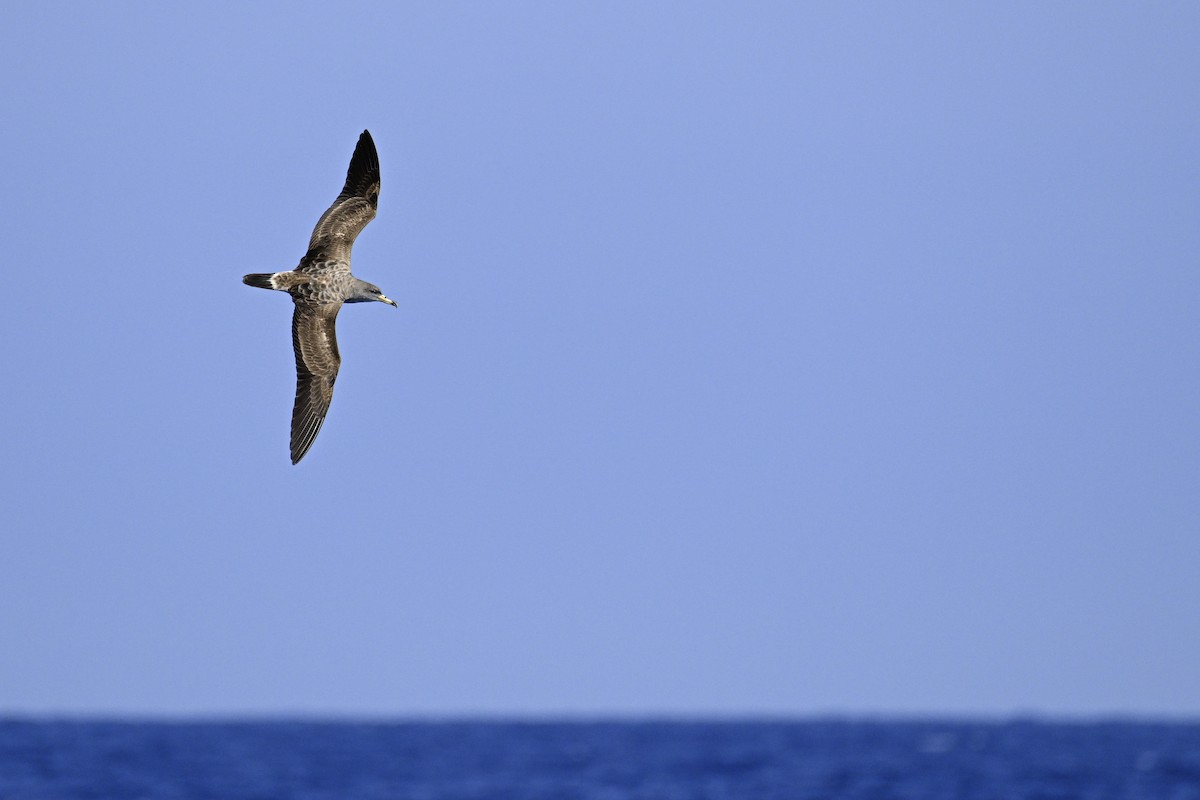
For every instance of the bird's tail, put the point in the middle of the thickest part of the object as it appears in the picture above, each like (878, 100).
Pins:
(260, 279)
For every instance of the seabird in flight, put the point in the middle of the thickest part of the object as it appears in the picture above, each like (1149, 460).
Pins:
(319, 286)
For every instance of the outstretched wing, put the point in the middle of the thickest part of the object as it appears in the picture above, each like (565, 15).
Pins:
(341, 223)
(317, 362)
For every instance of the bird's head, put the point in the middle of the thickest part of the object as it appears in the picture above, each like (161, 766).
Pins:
(365, 292)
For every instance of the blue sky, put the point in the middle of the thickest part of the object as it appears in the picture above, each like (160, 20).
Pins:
(772, 358)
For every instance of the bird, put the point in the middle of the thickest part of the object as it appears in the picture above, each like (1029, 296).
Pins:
(319, 286)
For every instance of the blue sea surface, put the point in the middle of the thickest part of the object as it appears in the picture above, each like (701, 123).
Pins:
(783, 760)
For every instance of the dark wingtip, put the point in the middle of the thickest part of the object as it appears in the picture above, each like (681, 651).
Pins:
(300, 449)
(364, 167)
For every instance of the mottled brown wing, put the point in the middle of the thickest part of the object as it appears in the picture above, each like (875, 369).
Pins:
(317, 362)
(341, 223)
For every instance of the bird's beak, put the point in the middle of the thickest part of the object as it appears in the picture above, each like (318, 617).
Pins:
(391, 303)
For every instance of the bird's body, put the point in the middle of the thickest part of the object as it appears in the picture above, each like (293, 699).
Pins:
(319, 286)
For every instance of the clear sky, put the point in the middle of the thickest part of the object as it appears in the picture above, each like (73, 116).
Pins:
(764, 358)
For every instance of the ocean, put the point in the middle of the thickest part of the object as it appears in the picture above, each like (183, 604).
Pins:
(603, 760)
